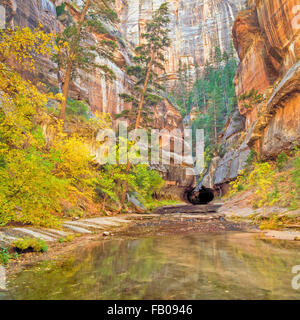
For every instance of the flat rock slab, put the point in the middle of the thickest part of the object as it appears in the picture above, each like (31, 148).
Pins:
(140, 216)
(102, 221)
(57, 232)
(118, 220)
(282, 235)
(84, 224)
(76, 229)
(34, 234)
(189, 209)
(51, 232)
(6, 238)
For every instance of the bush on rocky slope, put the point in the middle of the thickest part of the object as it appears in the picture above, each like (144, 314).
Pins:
(271, 183)
(45, 176)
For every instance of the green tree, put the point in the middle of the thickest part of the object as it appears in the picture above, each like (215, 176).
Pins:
(148, 59)
(213, 96)
(75, 52)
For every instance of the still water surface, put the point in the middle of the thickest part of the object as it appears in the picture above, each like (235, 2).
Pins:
(222, 266)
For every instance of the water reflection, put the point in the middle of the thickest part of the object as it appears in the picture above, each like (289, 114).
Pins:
(227, 266)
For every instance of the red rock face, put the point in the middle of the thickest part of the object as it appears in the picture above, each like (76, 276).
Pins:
(102, 95)
(197, 27)
(267, 39)
(278, 20)
(266, 42)
(284, 128)
(258, 68)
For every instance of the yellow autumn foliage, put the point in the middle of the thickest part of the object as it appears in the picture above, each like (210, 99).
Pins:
(269, 185)
(42, 176)
(29, 191)
(23, 44)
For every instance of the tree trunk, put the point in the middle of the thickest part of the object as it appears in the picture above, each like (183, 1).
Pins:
(138, 120)
(67, 80)
(65, 91)
(215, 123)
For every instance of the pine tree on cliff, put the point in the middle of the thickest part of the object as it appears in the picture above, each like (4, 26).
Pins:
(148, 60)
(76, 51)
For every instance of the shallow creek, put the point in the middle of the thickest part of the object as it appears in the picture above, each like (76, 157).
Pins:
(223, 265)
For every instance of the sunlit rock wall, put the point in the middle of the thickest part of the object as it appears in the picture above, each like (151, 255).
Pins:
(103, 96)
(267, 39)
(197, 27)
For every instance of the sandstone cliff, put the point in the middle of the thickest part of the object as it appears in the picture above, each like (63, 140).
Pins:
(226, 168)
(102, 96)
(197, 26)
(267, 38)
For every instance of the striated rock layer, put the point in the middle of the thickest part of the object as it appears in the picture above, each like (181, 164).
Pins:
(267, 39)
(225, 169)
(197, 27)
(102, 95)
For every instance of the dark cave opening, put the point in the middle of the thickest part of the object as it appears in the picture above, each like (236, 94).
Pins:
(202, 196)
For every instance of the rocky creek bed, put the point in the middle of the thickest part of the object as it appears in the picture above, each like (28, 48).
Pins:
(156, 256)
(135, 264)
(109, 228)
(132, 226)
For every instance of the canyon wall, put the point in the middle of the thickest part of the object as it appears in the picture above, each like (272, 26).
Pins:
(101, 95)
(267, 38)
(197, 27)
(226, 168)
(267, 41)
